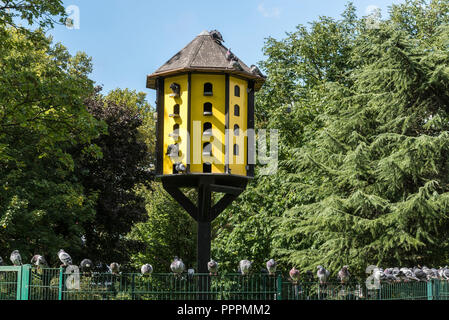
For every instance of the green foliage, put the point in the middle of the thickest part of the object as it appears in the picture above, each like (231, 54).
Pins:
(168, 232)
(42, 116)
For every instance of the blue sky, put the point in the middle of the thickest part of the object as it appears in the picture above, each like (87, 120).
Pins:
(129, 39)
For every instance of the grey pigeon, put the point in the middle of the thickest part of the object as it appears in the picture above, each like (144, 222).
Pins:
(245, 266)
(294, 274)
(15, 258)
(114, 268)
(172, 150)
(420, 274)
(322, 274)
(146, 269)
(256, 71)
(176, 88)
(444, 273)
(65, 258)
(229, 55)
(190, 273)
(344, 274)
(86, 265)
(236, 64)
(1, 262)
(39, 261)
(212, 266)
(216, 35)
(177, 266)
(180, 167)
(271, 266)
(409, 274)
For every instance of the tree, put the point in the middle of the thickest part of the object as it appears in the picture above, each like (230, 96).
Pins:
(376, 177)
(114, 177)
(42, 116)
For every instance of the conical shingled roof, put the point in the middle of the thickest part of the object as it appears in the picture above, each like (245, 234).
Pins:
(203, 53)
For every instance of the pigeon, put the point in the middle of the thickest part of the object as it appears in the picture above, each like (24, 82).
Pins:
(236, 64)
(146, 269)
(216, 35)
(271, 267)
(344, 275)
(1, 262)
(114, 268)
(15, 258)
(420, 274)
(229, 55)
(294, 274)
(409, 274)
(180, 167)
(245, 266)
(256, 71)
(191, 273)
(172, 150)
(390, 275)
(86, 265)
(212, 266)
(177, 266)
(39, 261)
(176, 88)
(65, 258)
(444, 273)
(322, 274)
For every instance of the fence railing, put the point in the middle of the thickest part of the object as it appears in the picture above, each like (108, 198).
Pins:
(27, 283)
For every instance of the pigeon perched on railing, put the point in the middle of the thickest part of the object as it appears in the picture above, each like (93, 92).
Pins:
(409, 274)
(294, 274)
(39, 261)
(65, 258)
(86, 265)
(212, 266)
(322, 274)
(444, 273)
(146, 269)
(114, 268)
(1, 262)
(177, 266)
(271, 266)
(344, 275)
(245, 266)
(16, 258)
(420, 274)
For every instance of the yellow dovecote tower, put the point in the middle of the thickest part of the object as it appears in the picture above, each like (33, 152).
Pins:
(205, 123)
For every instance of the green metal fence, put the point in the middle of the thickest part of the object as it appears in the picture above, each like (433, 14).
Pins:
(27, 283)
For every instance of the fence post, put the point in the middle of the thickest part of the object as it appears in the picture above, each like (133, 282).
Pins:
(429, 290)
(19, 283)
(133, 285)
(279, 287)
(61, 282)
(25, 282)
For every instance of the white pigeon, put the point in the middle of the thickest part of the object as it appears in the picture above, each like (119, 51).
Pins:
(245, 266)
(65, 258)
(177, 266)
(212, 266)
(146, 269)
(16, 258)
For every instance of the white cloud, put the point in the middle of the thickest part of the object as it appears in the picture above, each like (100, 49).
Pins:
(269, 12)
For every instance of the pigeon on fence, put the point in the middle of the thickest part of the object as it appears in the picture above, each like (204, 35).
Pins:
(245, 266)
(16, 258)
(212, 266)
(344, 274)
(294, 274)
(1, 262)
(271, 266)
(409, 274)
(420, 274)
(114, 268)
(39, 261)
(322, 274)
(177, 266)
(86, 265)
(65, 258)
(146, 269)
